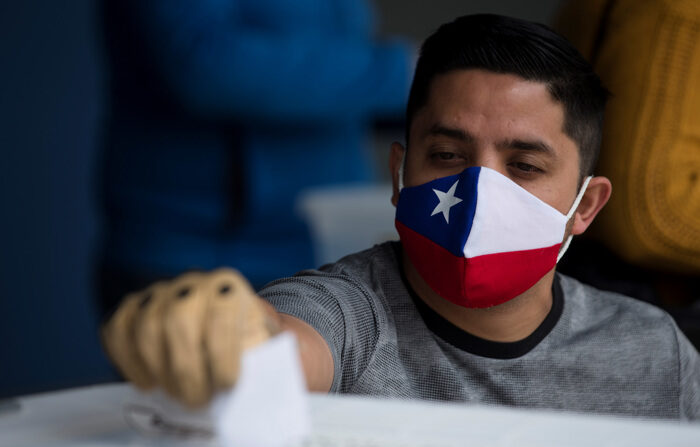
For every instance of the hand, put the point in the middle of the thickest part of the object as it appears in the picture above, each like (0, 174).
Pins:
(187, 335)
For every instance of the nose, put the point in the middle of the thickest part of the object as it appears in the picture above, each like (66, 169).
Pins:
(488, 158)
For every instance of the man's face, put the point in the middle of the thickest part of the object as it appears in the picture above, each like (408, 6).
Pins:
(500, 121)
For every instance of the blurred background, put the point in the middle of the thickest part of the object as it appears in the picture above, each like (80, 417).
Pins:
(61, 123)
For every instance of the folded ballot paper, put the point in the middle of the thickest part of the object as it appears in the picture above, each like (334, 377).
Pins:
(267, 407)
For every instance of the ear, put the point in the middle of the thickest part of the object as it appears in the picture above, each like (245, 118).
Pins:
(595, 197)
(395, 157)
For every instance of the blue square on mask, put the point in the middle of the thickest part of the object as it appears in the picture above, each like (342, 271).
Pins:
(418, 203)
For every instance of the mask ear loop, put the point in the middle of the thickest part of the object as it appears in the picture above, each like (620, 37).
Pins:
(401, 169)
(570, 214)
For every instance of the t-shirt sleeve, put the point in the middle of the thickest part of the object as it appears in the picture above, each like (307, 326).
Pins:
(347, 315)
(689, 378)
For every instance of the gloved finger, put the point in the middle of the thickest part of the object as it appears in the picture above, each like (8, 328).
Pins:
(184, 320)
(221, 338)
(148, 329)
(265, 313)
(235, 320)
(119, 340)
(254, 324)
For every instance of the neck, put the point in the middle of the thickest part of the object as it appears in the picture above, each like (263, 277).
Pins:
(511, 321)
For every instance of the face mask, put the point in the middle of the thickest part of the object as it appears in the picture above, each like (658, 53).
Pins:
(478, 239)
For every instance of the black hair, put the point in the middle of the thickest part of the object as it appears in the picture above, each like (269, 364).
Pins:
(530, 50)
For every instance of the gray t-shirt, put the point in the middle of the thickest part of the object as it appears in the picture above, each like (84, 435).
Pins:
(596, 351)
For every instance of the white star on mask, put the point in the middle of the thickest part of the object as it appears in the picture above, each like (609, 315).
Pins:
(447, 201)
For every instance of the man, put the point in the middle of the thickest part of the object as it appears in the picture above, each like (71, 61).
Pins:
(504, 122)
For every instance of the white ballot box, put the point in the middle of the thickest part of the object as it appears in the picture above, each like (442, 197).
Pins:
(98, 416)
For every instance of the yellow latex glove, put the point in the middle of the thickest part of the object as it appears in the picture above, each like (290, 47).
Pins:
(187, 335)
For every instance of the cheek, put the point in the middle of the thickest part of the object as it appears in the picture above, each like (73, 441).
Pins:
(554, 193)
(419, 171)
(562, 198)
(558, 189)
(415, 180)
(426, 175)
(416, 172)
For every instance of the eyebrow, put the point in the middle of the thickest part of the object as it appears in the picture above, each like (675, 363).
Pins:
(518, 144)
(529, 145)
(451, 132)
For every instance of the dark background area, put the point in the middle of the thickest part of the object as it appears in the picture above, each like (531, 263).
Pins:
(52, 96)
(52, 92)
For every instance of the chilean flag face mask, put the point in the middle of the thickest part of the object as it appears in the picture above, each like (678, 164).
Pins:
(478, 239)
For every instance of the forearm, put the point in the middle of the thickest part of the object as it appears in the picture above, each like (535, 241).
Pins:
(316, 358)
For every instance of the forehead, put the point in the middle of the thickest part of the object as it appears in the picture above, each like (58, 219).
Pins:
(493, 106)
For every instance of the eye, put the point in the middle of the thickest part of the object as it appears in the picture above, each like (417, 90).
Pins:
(444, 155)
(526, 167)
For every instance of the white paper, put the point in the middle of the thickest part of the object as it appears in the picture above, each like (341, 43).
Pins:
(269, 404)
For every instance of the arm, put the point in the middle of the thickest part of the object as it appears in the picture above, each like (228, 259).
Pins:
(346, 318)
(187, 336)
(221, 66)
(316, 358)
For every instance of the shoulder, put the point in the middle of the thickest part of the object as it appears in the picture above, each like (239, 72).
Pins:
(364, 265)
(360, 278)
(622, 318)
(634, 340)
(587, 301)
